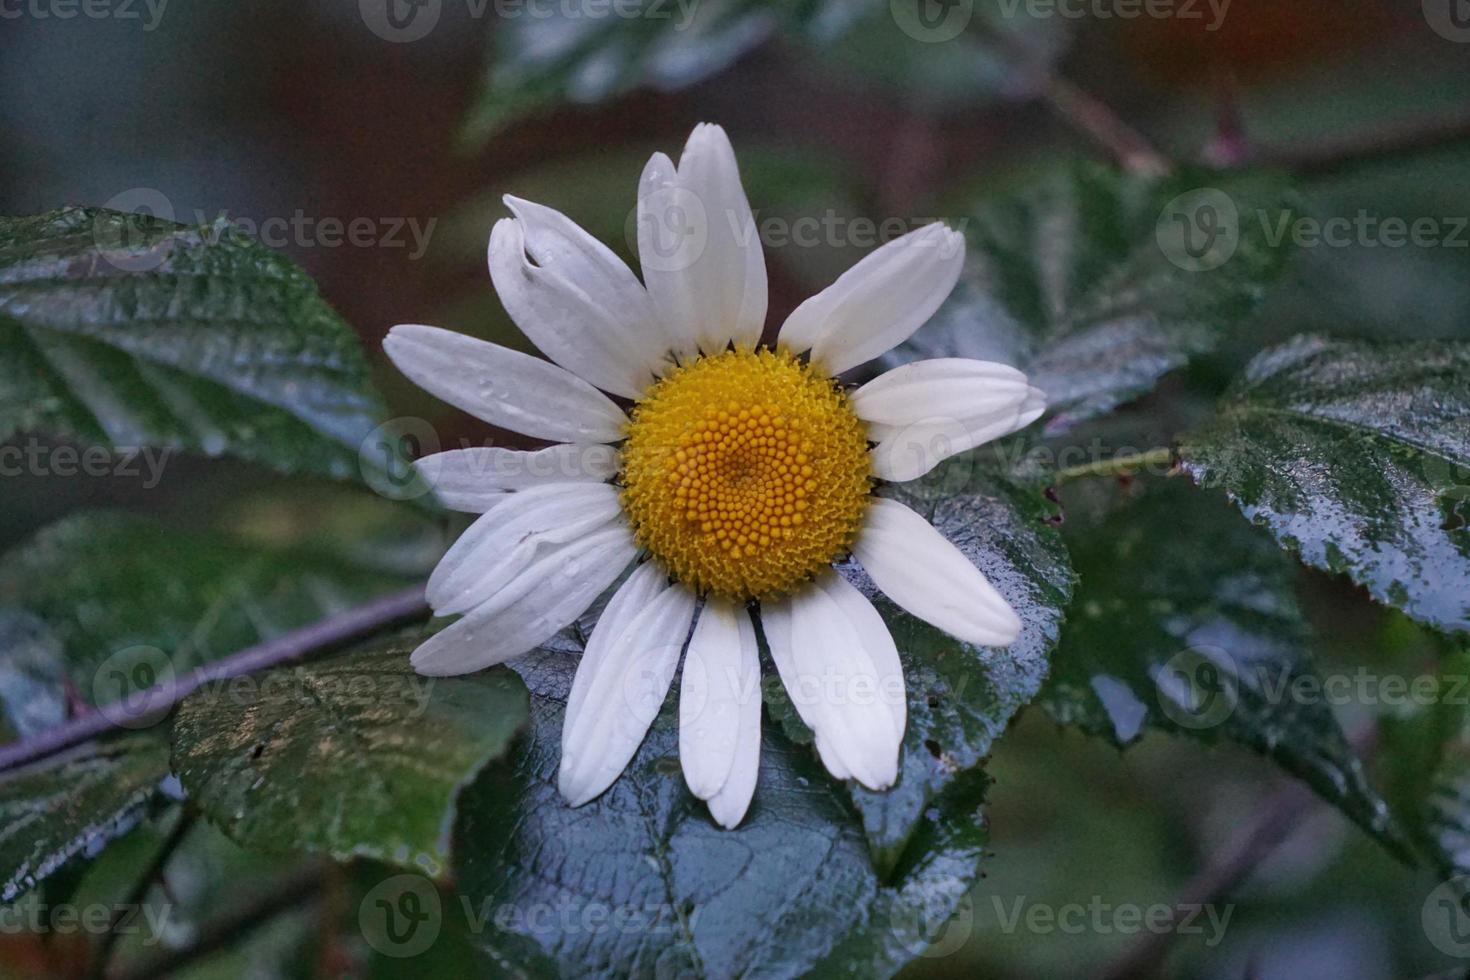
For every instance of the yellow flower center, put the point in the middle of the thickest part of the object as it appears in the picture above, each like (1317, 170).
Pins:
(745, 473)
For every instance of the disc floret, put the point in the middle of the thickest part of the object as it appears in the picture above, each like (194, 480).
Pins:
(745, 473)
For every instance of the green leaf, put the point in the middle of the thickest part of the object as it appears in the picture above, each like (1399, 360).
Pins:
(32, 676)
(1356, 456)
(98, 606)
(205, 878)
(961, 698)
(642, 882)
(128, 331)
(970, 54)
(1424, 758)
(1078, 282)
(538, 62)
(1186, 622)
(73, 805)
(562, 57)
(353, 756)
(127, 601)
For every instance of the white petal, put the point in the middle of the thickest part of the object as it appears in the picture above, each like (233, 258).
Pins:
(945, 387)
(853, 716)
(920, 570)
(645, 584)
(730, 804)
(698, 245)
(629, 681)
(877, 643)
(477, 478)
(720, 675)
(667, 242)
(907, 452)
(776, 625)
(503, 543)
(812, 694)
(540, 602)
(576, 300)
(878, 303)
(504, 387)
(831, 760)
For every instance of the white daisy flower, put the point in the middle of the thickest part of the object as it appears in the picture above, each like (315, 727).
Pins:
(738, 476)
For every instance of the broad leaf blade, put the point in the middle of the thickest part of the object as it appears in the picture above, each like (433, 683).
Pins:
(1425, 760)
(206, 874)
(116, 590)
(791, 891)
(352, 756)
(540, 62)
(33, 676)
(128, 331)
(1073, 281)
(961, 698)
(1186, 622)
(74, 805)
(98, 606)
(1356, 456)
(972, 52)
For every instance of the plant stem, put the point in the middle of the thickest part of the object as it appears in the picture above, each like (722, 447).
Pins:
(1323, 159)
(1117, 465)
(139, 893)
(299, 887)
(1278, 817)
(353, 624)
(1095, 118)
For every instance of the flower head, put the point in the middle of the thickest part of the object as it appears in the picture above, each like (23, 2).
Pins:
(738, 477)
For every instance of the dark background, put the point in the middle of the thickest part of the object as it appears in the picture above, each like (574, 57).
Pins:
(264, 109)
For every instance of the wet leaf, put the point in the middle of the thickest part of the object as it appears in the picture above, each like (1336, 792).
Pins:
(354, 756)
(1079, 281)
(74, 805)
(205, 874)
(1426, 763)
(1355, 456)
(642, 881)
(970, 53)
(127, 331)
(99, 606)
(32, 676)
(1186, 621)
(934, 58)
(126, 602)
(961, 698)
